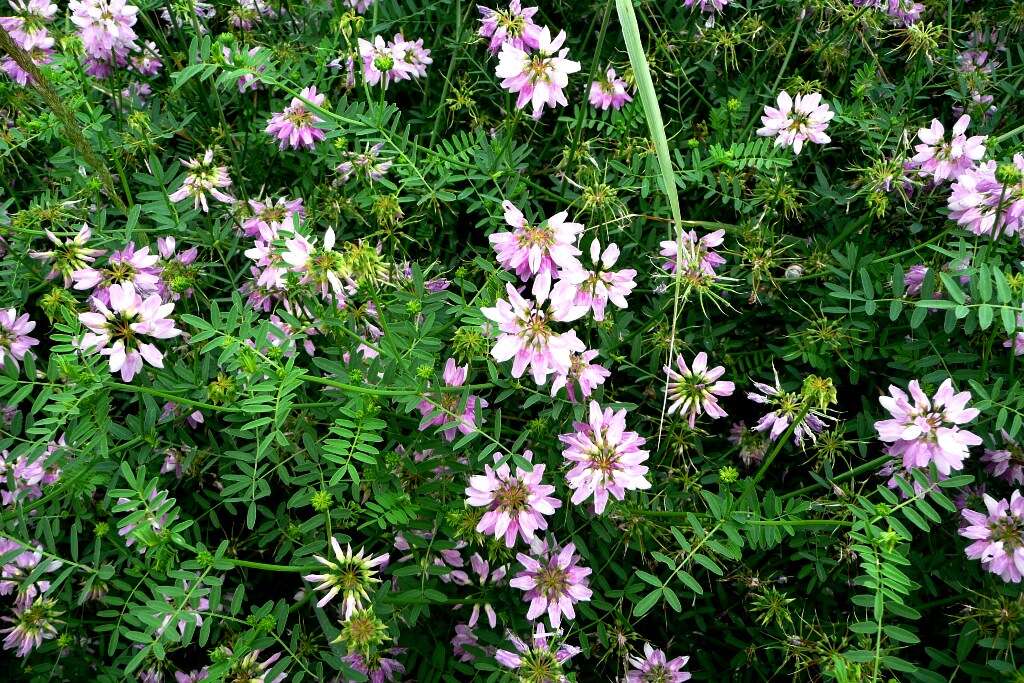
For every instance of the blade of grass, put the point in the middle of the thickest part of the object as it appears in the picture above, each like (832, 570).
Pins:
(656, 127)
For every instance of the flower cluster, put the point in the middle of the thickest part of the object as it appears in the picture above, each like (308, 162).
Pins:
(350, 574)
(117, 329)
(28, 29)
(295, 126)
(797, 120)
(395, 60)
(998, 536)
(928, 429)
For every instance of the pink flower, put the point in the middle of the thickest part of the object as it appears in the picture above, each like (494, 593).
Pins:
(787, 406)
(593, 289)
(607, 459)
(553, 580)
(203, 177)
(540, 76)
(516, 503)
(248, 667)
(526, 336)
(698, 258)
(943, 160)
(513, 26)
(359, 6)
(246, 14)
(16, 576)
(537, 251)
(14, 339)
(147, 63)
(752, 444)
(131, 266)
(38, 43)
(284, 336)
(382, 64)
(998, 537)
(544, 658)
(117, 331)
(378, 668)
(1006, 463)
(927, 430)
(30, 626)
(464, 636)
(1016, 342)
(707, 6)
(696, 391)
(368, 164)
(320, 266)
(105, 27)
(483, 577)
(295, 127)
(655, 667)
(978, 200)
(434, 415)
(68, 255)
(270, 217)
(582, 373)
(242, 60)
(177, 271)
(412, 55)
(795, 122)
(609, 91)
(914, 279)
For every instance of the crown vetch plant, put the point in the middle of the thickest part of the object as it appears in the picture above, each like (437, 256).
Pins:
(528, 341)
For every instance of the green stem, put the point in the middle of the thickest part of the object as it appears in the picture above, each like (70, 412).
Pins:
(860, 469)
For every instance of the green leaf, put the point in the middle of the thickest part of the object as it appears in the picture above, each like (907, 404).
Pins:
(900, 634)
(985, 316)
(691, 582)
(953, 288)
(649, 578)
(672, 599)
(649, 99)
(647, 603)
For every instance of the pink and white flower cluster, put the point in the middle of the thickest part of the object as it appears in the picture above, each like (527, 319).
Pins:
(538, 78)
(986, 205)
(797, 120)
(535, 66)
(548, 252)
(515, 503)
(14, 339)
(136, 267)
(998, 536)
(924, 430)
(513, 25)
(606, 459)
(117, 329)
(27, 29)
(609, 92)
(24, 477)
(443, 408)
(105, 27)
(295, 126)
(943, 160)
(553, 581)
(395, 60)
(695, 390)
(202, 177)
